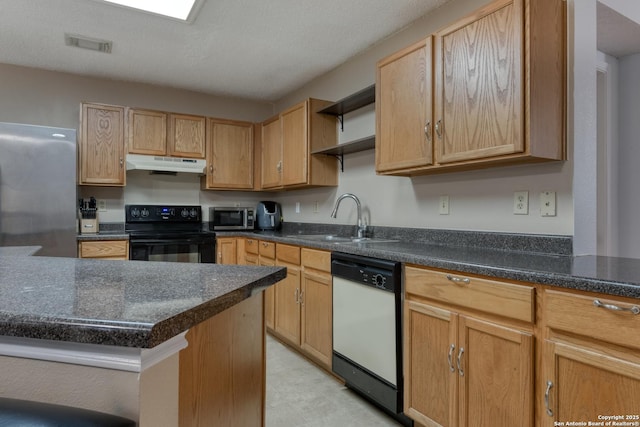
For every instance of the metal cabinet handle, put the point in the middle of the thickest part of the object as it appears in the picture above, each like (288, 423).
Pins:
(279, 166)
(121, 162)
(452, 347)
(547, 392)
(301, 297)
(459, 362)
(427, 130)
(458, 280)
(634, 309)
(265, 244)
(295, 296)
(211, 168)
(439, 128)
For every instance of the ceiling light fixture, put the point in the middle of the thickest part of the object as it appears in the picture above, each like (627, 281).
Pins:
(178, 9)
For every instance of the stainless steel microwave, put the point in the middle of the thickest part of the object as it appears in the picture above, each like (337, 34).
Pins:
(223, 218)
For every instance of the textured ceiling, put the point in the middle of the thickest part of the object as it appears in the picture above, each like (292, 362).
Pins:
(247, 48)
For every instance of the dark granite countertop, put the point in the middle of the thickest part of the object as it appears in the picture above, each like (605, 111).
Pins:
(103, 235)
(542, 259)
(121, 303)
(608, 275)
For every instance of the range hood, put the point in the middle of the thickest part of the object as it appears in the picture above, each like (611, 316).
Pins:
(165, 164)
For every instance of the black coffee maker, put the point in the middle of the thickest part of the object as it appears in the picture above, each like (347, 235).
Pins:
(268, 216)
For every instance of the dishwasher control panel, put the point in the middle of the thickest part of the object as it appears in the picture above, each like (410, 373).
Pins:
(381, 274)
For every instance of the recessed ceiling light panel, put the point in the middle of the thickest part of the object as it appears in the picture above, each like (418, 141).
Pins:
(177, 9)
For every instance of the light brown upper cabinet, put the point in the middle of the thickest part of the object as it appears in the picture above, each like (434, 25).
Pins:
(404, 99)
(498, 92)
(101, 148)
(271, 153)
(165, 134)
(186, 137)
(229, 155)
(287, 144)
(147, 132)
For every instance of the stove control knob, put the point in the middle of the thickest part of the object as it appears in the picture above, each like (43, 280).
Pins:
(379, 280)
(184, 213)
(135, 212)
(144, 212)
(193, 213)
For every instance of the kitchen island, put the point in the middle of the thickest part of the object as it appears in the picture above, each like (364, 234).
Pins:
(136, 339)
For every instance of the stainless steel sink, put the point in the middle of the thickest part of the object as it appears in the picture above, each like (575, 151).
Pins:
(332, 238)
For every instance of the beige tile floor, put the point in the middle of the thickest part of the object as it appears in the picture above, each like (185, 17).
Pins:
(300, 394)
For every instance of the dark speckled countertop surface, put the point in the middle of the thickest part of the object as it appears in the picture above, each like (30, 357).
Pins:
(540, 259)
(543, 259)
(122, 303)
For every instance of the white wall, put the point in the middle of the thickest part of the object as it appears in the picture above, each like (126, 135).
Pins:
(479, 200)
(629, 146)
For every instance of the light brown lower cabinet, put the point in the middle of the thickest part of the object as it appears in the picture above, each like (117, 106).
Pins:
(303, 302)
(464, 368)
(222, 371)
(226, 252)
(590, 359)
(104, 249)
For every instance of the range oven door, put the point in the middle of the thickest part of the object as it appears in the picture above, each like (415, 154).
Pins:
(195, 249)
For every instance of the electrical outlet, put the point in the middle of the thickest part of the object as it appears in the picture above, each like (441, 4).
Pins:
(521, 203)
(443, 206)
(297, 207)
(548, 203)
(316, 208)
(102, 205)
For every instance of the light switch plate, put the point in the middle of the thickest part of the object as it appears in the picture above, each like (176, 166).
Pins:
(548, 203)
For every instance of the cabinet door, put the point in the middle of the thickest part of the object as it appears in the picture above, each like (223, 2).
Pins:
(271, 153)
(102, 145)
(430, 374)
(186, 136)
(287, 303)
(581, 384)
(495, 375)
(479, 84)
(316, 306)
(269, 293)
(226, 248)
(147, 132)
(404, 128)
(104, 249)
(230, 155)
(295, 145)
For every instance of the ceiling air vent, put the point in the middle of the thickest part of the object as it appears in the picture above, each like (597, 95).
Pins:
(87, 43)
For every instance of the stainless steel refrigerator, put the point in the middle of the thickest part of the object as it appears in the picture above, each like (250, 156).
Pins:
(38, 193)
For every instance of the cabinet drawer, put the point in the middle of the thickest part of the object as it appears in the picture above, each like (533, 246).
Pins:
(267, 250)
(491, 296)
(289, 254)
(319, 260)
(104, 249)
(579, 314)
(251, 246)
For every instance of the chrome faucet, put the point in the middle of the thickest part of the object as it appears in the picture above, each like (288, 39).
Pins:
(362, 229)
